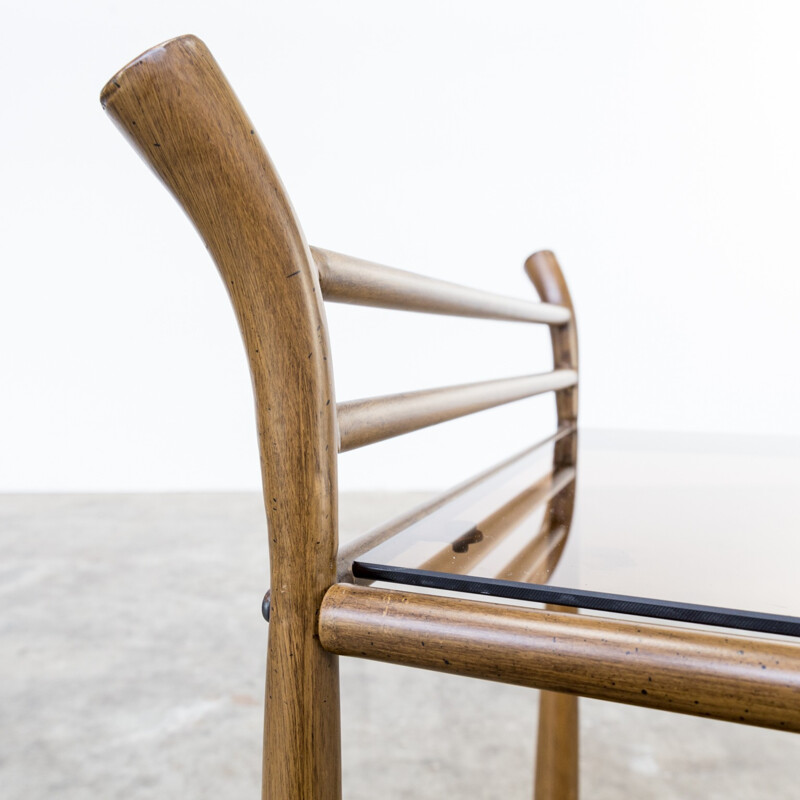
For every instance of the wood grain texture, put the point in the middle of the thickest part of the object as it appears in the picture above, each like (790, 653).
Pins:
(546, 275)
(178, 111)
(557, 776)
(363, 422)
(557, 743)
(733, 678)
(345, 279)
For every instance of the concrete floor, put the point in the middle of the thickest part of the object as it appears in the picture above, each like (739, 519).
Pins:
(132, 660)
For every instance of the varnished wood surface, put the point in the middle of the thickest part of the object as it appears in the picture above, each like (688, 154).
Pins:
(363, 422)
(557, 776)
(345, 279)
(557, 745)
(733, 678)
(176, 108)
(557, 773)
(545, 273)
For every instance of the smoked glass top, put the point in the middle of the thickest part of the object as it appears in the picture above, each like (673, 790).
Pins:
(685, 527)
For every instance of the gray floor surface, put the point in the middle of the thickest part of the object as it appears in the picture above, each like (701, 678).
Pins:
(132, 655)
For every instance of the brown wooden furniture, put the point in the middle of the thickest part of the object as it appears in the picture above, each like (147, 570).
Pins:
(176, 108)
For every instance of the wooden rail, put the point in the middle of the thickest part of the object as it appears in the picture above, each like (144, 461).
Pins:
(363, 422)
(717, 675)
(345, 279)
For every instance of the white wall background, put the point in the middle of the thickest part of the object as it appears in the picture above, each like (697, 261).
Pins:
(654, 146)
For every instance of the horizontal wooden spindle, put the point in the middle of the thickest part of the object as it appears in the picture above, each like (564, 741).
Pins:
(351, 280)
(717, 675)
(363, 422)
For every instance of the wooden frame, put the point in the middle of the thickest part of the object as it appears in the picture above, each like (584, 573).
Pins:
(179, 112)
(175, 106)
(557, 742)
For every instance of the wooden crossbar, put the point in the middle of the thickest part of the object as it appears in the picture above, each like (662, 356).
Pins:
(363, 422)
(718, 675)
(345, 279)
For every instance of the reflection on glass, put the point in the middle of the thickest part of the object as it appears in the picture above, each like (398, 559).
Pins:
(512, 525)
(700, 529)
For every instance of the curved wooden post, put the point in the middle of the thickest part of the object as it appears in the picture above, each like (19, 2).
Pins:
(177, 109)
(557, 774)
(546, 276)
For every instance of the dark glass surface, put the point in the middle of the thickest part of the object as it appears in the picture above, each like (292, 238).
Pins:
(695, 528)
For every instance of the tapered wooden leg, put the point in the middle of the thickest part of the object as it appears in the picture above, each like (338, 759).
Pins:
(557, 742)
(557, 747)
(302, 749)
